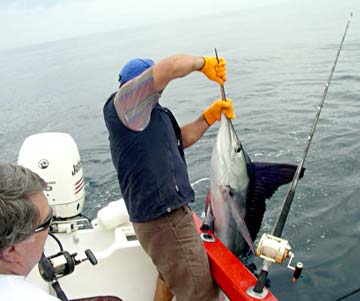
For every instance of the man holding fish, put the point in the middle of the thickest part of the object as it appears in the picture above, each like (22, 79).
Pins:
(147, 146)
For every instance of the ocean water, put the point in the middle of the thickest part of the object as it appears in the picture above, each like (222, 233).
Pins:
(278, 60)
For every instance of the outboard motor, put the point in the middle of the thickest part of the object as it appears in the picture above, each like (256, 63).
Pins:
(55, 157)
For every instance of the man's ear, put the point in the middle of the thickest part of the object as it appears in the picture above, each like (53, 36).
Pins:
(10, 254)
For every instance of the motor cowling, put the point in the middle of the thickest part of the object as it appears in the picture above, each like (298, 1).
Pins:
(55, 157)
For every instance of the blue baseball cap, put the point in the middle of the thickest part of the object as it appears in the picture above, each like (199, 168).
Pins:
(134, 68)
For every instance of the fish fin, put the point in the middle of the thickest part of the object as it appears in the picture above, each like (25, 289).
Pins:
(209, 216)
(208, 202)
(236, 215)
(268, 177)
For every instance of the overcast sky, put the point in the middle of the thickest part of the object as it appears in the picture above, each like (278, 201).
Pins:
(24, 22)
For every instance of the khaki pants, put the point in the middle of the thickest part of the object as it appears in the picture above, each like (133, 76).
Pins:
(175, 247)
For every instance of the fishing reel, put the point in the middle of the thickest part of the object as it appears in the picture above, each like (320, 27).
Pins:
(277, 250)
(61, 264)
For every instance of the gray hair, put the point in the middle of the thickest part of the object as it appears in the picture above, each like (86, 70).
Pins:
(18, 216)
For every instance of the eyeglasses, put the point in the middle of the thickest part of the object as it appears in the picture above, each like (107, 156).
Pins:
(45, 225)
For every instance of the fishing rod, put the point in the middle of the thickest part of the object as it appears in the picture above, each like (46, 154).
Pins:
(348, 295)
(290, 195)
(274, 241)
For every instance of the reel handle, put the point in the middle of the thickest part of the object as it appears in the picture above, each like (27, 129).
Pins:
(90, 256)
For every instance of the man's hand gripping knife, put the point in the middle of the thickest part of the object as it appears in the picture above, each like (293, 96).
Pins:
(214, 69)
(213, 113)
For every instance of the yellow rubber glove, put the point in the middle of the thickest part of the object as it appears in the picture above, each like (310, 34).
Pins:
(214, 70)
(213, 113)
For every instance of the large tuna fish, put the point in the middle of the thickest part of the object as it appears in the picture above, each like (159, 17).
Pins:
(239, 189)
